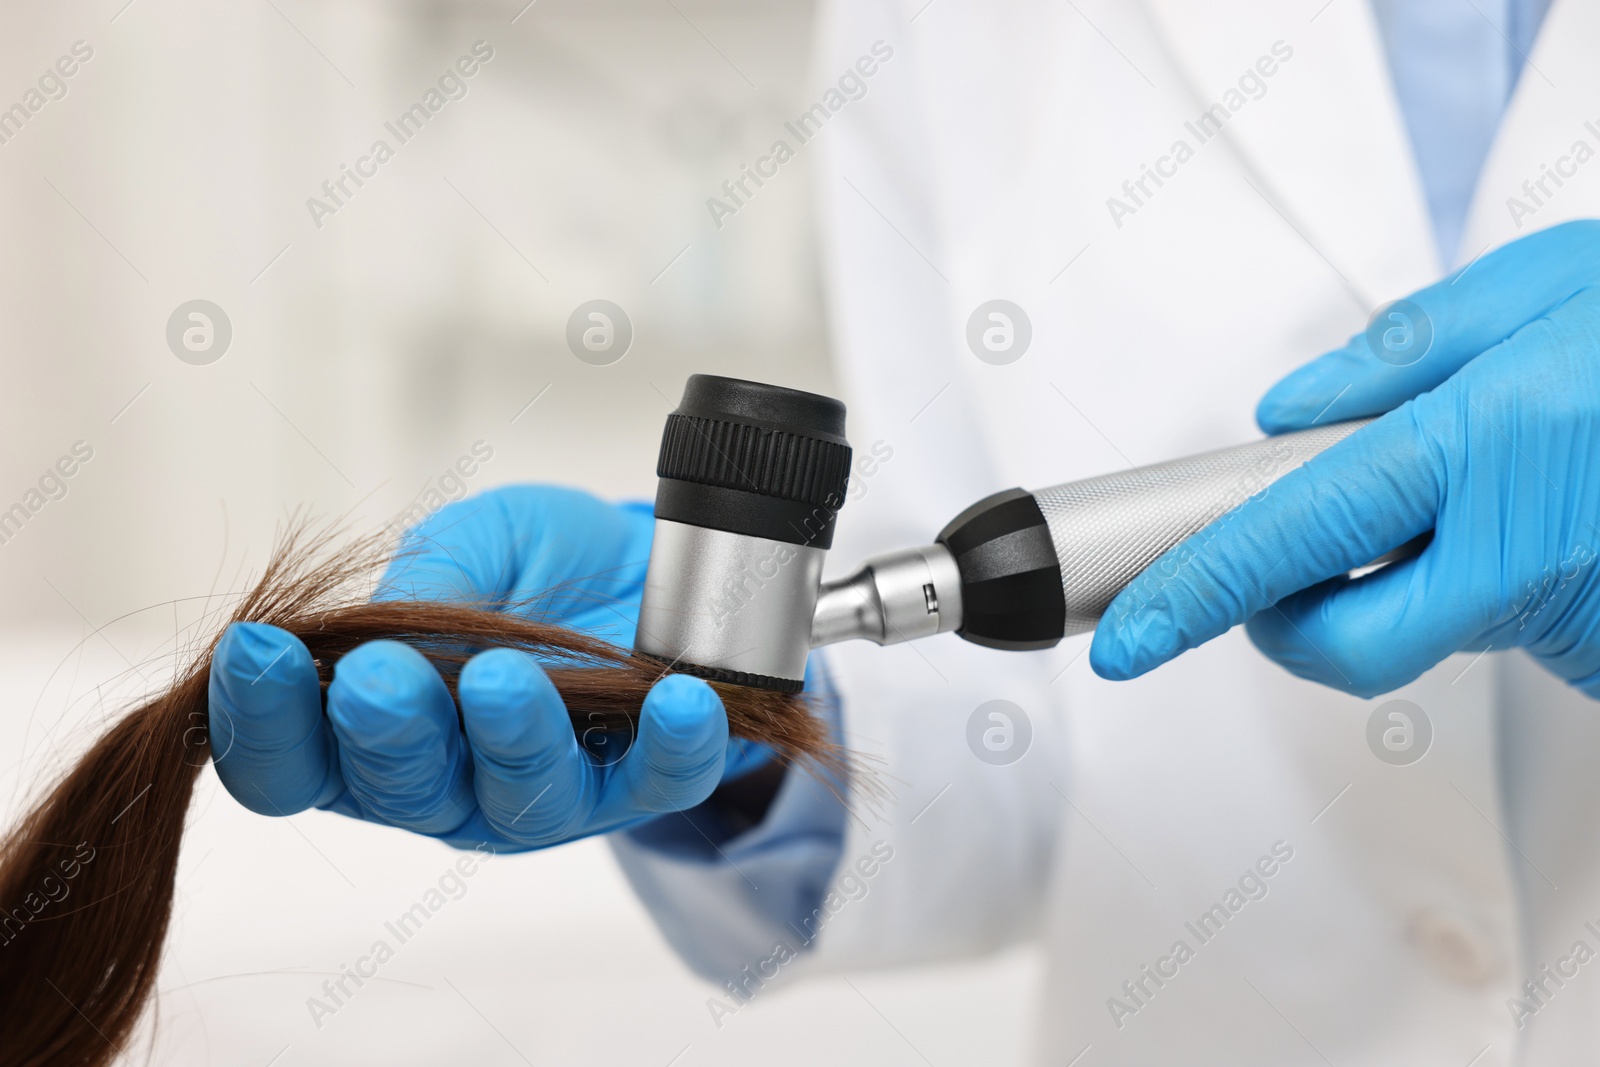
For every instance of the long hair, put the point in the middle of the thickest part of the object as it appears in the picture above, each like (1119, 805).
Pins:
(74, 980)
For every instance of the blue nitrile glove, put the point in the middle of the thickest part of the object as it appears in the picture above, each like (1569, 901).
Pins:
(390, 748)
(1493, 442)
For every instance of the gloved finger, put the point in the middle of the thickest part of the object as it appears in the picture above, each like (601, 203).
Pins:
(1373, 634)
(400, 748)
(574, 554)
(1366, 495)
(1464, 315)
(271, 745)
(534, 784)
(677, 759)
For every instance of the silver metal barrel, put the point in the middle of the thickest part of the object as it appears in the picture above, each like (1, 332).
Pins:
(1021, 570)
(729, 602)
(1107, 530)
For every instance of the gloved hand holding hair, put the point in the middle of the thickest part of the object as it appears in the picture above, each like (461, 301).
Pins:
(548, 714)
(512, 772)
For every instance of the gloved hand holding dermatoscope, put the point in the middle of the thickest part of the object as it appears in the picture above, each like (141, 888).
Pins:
(1486, 454)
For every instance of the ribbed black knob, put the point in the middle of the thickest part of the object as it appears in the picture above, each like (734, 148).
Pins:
(754, 459)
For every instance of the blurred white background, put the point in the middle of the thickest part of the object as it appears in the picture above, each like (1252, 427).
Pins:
(367, 356)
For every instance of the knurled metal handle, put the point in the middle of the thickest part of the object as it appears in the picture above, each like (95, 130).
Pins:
(1108, 529)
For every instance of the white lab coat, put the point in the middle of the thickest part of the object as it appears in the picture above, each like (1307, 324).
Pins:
(978, 165)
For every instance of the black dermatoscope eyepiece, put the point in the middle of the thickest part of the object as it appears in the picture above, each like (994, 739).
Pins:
(752, 477)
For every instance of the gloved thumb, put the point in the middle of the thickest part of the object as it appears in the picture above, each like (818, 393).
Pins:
(1412, 345)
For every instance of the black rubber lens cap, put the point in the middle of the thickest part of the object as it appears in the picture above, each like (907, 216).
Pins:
(754, 459)
(772, 407)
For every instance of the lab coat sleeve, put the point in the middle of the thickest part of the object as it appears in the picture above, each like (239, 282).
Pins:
(955, 860)
(724, 900)
(949, 859)
(724, 904)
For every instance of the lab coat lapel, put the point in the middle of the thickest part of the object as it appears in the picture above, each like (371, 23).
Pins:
(1326, 144)
(1555, 107)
